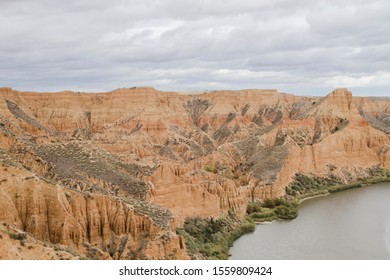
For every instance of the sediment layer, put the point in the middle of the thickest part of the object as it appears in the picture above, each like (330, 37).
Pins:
(111, 175)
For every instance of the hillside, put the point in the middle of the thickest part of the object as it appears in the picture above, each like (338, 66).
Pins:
(112, 175)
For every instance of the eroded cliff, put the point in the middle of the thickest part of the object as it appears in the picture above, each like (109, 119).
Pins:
(111, 175)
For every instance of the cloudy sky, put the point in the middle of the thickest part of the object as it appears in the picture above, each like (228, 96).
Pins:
(304, 47)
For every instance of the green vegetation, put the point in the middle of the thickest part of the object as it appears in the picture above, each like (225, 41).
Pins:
(253, 206)
(264, 216)
(228, 175)
(304, 186)
(16, 236)
(272, 209)
(378, 175)
(339, 188)
(209, 238)
(210, 168)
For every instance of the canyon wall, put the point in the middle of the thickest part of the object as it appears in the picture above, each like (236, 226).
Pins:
(111, 175)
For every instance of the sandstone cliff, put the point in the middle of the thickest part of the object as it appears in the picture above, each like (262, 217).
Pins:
(111, 175)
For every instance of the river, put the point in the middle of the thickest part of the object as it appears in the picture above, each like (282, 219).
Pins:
(352, 224)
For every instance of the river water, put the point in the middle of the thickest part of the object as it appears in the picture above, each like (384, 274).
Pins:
(353, 224)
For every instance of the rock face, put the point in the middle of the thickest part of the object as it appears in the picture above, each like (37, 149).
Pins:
(111, 175)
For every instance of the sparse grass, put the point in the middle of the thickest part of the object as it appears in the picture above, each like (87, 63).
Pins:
(210, 169)
(158, 215)
(377, 180)
(20, 114)
(76, 162)
(313, 194)
(245, 109)
(196, 107)
(228, 175)
(339, 188)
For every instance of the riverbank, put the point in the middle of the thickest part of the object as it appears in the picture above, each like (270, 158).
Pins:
(342, 187)
(345, 225)
(211, 238)
(265, 214)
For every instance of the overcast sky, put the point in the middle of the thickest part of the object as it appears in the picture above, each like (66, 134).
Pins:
(303, 47)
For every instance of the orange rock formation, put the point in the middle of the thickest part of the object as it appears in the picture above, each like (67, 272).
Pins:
(111, 175)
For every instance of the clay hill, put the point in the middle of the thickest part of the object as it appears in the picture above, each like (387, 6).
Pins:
(112, 175)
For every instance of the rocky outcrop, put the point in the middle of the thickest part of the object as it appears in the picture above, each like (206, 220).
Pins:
(85, 222)
(111, 175)
(346, 137)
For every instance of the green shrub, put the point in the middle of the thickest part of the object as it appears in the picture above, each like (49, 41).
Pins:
(244, 227)
(210, 168)
(270, 215)
(211, 238)
(273, 208)
(275, 202)
(303, 184)
(253, 207)
(286, 212)
(17, 236)
(339, 188)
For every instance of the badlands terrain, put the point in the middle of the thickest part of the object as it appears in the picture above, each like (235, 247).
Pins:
(114, 175)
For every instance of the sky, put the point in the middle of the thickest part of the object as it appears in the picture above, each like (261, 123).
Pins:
(303, 47)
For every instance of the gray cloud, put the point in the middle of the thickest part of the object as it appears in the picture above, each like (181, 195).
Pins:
(304, 47)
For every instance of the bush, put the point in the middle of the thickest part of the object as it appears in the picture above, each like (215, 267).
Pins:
(272, 209)
(286, 212)
(275, 202)
(253, 207)
(340, 188)
(246, 226)
(303, 184)
(17, 236)
(265, 216)
(210, 168)
(211, 238)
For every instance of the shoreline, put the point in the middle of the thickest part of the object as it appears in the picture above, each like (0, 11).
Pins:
(328, 191)
(299, 202)
(213, 238)
(314, 196)
(345, 211)
(266, 222)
